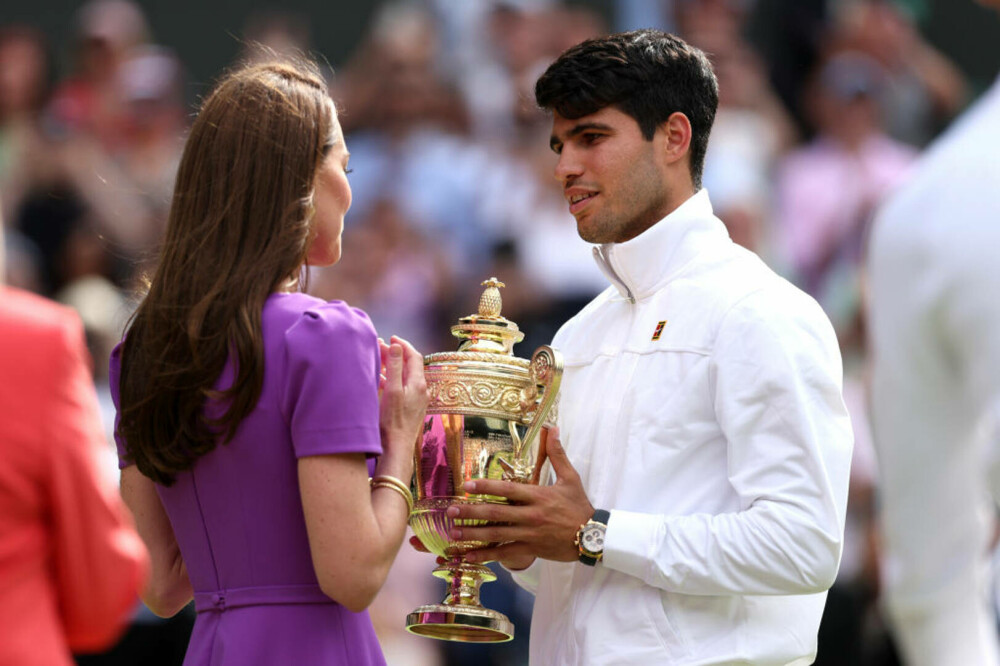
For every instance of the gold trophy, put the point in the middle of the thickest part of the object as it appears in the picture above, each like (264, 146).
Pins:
(486, 412)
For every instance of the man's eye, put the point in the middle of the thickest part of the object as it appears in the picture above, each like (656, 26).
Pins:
(590, 137)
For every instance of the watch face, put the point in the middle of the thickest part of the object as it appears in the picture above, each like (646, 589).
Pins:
(592, 539)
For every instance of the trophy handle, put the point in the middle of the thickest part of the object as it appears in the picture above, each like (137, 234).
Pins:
(546, 375)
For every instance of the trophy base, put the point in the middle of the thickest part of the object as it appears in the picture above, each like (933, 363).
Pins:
(468, 624)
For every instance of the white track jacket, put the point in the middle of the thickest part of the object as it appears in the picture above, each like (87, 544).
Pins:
(701, 404)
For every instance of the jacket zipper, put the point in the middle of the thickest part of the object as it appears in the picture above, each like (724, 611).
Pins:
(604, 262)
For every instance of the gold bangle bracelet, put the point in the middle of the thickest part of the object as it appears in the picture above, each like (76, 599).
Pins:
(404, 495)
(392, 481)
(385, 481)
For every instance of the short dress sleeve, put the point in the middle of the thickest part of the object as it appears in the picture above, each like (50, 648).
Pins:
(114, 376)
(330, 387)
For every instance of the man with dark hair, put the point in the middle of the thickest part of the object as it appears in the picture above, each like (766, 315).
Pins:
(701, 405)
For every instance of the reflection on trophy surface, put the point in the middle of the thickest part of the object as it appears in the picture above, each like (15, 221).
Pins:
(484, 420)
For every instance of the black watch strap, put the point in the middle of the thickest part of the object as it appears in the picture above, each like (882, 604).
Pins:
(600, 516)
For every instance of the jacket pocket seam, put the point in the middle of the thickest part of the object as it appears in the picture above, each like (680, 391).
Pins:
(679, 640)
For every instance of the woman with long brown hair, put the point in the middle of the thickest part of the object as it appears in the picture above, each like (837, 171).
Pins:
(249, 417)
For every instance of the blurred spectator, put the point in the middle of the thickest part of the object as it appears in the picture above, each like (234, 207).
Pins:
(935, 324)
(71, 564)
(828, 189)
(413, 144)
(47, 216)
(276, 33)
(520, 204)
(488, 45)
(392, 82)
(394, 273)
(150, 82)
(752, 128)
(707, 21)
(53, 180)
(565, 26)
(407, 138)
(923, 89)
(103, 311)
(789, 35)
(83, 190)
(638, 14)
(89, 101)
(22, 262)
(24, 84)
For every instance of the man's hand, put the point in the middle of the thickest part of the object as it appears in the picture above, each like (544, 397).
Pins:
(541, 521)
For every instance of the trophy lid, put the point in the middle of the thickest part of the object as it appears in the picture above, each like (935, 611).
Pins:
(488, 331)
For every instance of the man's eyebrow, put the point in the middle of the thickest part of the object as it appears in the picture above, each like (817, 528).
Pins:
(578, 129)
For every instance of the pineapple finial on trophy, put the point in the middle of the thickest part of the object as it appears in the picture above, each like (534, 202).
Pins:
(487, 330)
(490, 302)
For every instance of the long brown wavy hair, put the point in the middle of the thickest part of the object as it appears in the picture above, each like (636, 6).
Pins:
(238, 229)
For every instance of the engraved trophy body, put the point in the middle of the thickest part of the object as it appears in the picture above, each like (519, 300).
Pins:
(485, 418)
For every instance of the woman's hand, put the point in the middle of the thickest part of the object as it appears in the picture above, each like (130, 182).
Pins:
(402, 406)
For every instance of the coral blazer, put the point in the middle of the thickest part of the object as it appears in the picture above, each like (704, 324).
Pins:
(71, 563)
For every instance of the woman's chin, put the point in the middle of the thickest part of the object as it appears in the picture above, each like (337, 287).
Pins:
(324, 259)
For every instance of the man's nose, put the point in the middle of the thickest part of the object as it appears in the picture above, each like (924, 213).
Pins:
(568, 166)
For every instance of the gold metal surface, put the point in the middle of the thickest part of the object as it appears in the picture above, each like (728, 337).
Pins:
(486, 412)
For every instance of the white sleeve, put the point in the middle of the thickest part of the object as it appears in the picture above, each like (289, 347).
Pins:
(776, 380)
(528, 578)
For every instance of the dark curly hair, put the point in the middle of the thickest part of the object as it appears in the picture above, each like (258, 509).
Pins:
(647, 74)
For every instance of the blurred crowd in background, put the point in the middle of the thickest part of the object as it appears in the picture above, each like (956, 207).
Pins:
(824, 107)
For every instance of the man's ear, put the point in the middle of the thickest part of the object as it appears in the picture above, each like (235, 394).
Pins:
(676, 137)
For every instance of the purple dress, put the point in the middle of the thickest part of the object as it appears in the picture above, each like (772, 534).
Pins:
(237, 515)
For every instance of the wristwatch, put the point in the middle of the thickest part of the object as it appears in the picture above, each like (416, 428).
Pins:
(590, 538)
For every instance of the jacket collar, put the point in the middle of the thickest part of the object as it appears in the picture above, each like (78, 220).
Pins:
(640, 266)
